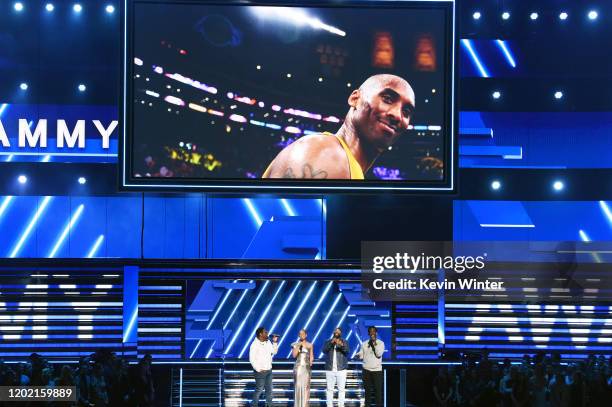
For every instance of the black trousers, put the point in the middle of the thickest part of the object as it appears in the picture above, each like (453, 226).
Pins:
(373, 384)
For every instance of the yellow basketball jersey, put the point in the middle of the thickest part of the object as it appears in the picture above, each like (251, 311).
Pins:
(354, 167)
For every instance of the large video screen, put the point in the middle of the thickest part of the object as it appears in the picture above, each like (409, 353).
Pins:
(349, 96)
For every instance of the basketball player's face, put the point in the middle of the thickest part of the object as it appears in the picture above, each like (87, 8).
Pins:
(383, 112)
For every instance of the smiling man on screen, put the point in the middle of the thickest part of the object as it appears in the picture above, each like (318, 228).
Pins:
(380, 111)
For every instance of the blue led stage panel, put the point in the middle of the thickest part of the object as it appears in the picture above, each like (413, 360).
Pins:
(533, 220)
(222, 315)
(512, 330)
(177, 227)
(538, 140)
(61, 313)
(266, 228)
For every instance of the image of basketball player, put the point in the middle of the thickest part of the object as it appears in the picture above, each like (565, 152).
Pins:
(380, 111)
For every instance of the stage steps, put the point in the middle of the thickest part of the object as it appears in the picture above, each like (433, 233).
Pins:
(201, 386)
(239, 385)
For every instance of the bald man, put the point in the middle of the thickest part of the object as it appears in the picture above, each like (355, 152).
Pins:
(380, 111)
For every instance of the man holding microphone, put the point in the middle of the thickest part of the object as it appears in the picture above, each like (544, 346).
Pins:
(260, 356)
(336, 352)
(371, 353)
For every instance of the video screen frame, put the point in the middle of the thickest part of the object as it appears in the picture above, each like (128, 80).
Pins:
(129, 182)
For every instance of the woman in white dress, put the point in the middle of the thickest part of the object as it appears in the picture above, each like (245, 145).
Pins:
(304, 356)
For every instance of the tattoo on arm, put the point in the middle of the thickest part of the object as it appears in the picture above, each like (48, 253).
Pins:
(307, 172)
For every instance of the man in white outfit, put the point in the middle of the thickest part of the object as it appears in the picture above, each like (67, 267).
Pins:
(260, 356)
(336, 362)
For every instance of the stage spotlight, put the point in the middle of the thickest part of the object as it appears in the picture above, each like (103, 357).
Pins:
(49, 7)
(82, 88)
(288, 75)
(77, 8)
(495, 185)
(563, 15)
(505, 15)
(558, 95)
(23, 86)
(348, 85)
(534, 16)
(258, 67)
(22, 179)
(18, 6)
(476, 15)
(496, 94)
(320, 79)
(558, 186)
(110, 9)
(593, 15)
(82, 180)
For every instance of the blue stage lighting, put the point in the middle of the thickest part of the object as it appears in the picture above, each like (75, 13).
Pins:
(604, 207)
(62, 238)
(23, 86)
(253, 211)
(212, 320)
(262, 317)
(110, 9)
(476, 15)
(18, 6)
(228, 320)
(507, 53)
(236, 334)
(24, 236)
(82, 88)
(496, 185)
(481, 68)
(82, 180)
(593, 15)
(558, 185)
(8, 199)
(329, 314)
(563, 15)
(584, 236)
(505, 15)
(297, 313)
(22, 179)
(77, 8)
(496, 94)
(534, 16)
(94, 249)
(287, 207)
(558, 95)
(282, 311)
(49, 7)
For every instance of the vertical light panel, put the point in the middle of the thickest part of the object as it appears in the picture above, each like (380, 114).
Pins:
(130, 304)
